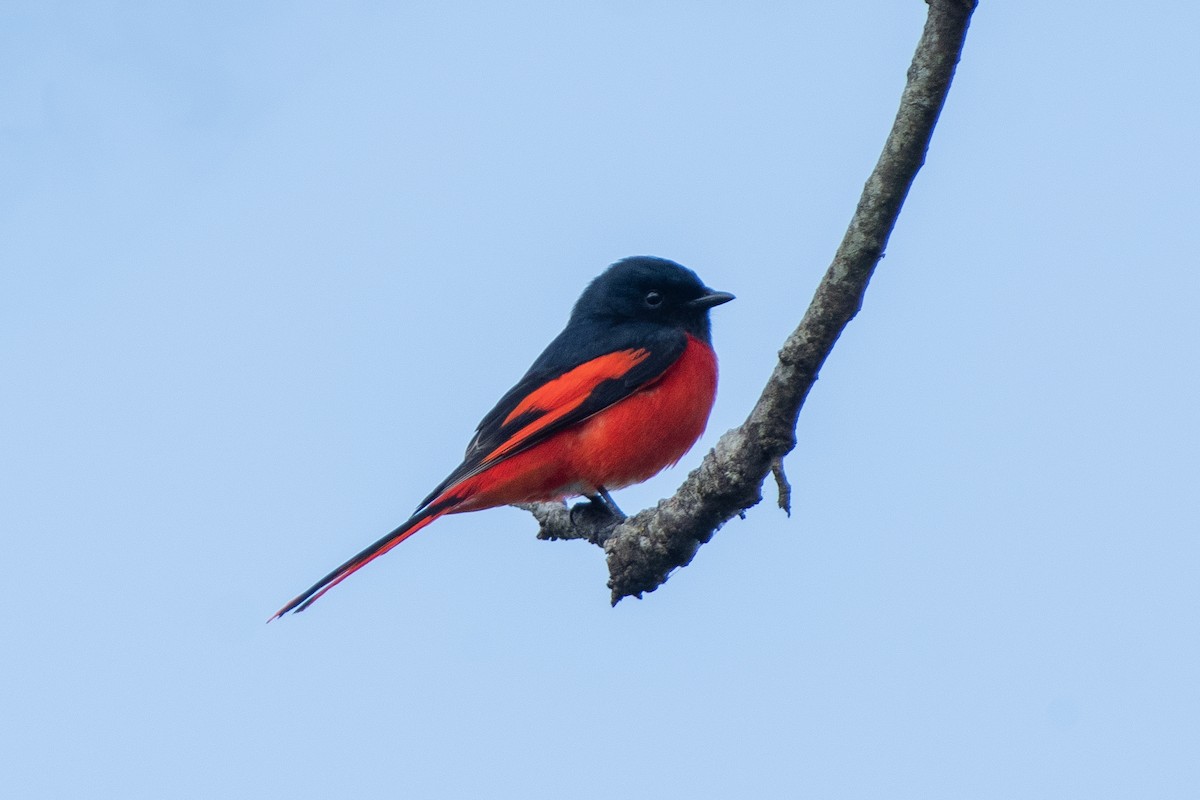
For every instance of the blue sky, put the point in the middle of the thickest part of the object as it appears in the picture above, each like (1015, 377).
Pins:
(263, 267)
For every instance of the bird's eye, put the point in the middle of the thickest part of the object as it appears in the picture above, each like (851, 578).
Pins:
(653, 300)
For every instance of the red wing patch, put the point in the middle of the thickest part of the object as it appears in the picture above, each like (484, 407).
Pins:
(557, 398)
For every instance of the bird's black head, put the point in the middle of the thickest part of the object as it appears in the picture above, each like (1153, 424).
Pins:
(649, 289)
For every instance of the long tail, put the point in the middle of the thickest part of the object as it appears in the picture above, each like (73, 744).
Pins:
(415, 523)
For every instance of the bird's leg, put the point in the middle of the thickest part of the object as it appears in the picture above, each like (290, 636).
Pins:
(595, 511)
(598, 516)
(609, 503)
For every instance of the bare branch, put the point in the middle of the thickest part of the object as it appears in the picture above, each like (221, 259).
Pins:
(560, 521)
(646, 547)
(781, 483)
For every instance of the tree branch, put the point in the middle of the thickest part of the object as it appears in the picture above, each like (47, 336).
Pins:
(643, 549)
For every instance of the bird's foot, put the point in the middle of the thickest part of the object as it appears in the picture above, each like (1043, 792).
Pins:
(597, 516)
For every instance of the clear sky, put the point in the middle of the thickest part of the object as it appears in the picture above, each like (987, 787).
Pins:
(264, 266)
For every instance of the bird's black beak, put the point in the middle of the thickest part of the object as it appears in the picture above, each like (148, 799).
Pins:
(709, 300)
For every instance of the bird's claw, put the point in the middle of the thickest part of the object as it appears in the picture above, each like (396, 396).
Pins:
(596, 516)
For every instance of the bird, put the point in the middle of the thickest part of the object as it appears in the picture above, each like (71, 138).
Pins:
(622, 393)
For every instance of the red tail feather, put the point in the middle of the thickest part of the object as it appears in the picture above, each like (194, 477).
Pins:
(314, 593)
